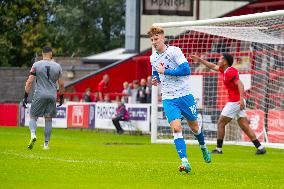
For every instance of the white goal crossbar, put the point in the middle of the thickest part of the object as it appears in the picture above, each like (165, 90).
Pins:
(215, 21)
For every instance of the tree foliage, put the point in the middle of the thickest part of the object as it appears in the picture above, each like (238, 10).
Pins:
(22, 31)
(71, 27)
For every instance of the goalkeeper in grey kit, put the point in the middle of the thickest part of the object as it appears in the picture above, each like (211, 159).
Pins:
(46, 73)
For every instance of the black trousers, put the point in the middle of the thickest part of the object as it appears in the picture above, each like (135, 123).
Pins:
(116, 123)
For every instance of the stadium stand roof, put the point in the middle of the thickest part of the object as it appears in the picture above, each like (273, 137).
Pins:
(109, 56)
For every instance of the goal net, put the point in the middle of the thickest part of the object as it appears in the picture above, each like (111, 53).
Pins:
(257, 44)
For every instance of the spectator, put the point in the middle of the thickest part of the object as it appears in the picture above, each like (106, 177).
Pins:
(87, 95)
(106, 98)
(120, 115)
(96, 96)
(142, 96)
(126, 90)
(134, 92)
(103, 87)
(149, 89)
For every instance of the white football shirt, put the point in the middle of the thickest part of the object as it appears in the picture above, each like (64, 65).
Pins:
(172, 86)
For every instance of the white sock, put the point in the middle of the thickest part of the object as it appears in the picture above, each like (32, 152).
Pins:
(32, 126)
(33, 135)
(184, 159)
(219, 149)
(177, 135)
(260, 147)
(46, 143)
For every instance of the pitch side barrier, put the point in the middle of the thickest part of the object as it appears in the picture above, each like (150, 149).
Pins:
(98, 116)
(9, 115)
(93, 116)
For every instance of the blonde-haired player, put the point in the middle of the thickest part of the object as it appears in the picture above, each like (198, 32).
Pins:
(171, 70)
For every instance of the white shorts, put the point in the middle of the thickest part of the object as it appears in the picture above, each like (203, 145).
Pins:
(232, 110)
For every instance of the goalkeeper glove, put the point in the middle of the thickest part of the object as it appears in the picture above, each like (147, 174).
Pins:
(25, 100)
(61, 100)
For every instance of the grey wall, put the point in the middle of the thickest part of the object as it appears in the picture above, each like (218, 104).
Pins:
(12, 80)
(12, 83)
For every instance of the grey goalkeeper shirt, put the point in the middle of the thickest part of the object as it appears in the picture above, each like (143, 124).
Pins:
(47, 72)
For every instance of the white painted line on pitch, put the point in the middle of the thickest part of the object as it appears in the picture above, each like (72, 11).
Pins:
(34, 156)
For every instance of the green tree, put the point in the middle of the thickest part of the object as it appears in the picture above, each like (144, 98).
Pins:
(88, 26)
(22, 31)
(70, 27)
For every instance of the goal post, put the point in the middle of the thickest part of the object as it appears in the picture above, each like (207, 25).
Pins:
(256, 42)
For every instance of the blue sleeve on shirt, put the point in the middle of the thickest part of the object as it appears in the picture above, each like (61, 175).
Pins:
(181, 70)
(156, 75)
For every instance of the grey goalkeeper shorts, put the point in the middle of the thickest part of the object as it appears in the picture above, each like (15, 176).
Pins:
(43, 107)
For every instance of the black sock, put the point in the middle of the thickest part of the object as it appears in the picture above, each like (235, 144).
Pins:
(219, 143)
(256, 143)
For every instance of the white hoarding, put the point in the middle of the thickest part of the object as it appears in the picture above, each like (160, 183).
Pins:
(139, 116)
(59, 122)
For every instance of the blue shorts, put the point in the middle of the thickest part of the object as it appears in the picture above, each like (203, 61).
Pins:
(175, 108)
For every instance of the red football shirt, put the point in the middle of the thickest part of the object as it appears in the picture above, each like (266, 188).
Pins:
(103, 87)
(230, 77)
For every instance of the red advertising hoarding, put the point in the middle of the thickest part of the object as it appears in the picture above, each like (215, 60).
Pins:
(78, 116)
(9, 115)
(256, 123)
(275, 131)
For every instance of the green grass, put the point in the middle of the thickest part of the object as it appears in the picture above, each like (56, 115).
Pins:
(87, 159)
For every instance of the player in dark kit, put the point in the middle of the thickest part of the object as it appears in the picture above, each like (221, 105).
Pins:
(47, 73)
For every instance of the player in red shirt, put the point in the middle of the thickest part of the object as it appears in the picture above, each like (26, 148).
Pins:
(103, 87)
(235, 107)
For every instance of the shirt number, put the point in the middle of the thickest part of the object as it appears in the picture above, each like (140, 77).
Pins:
(193, 109)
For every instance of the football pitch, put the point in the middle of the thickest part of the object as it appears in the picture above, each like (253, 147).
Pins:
(88, 159)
